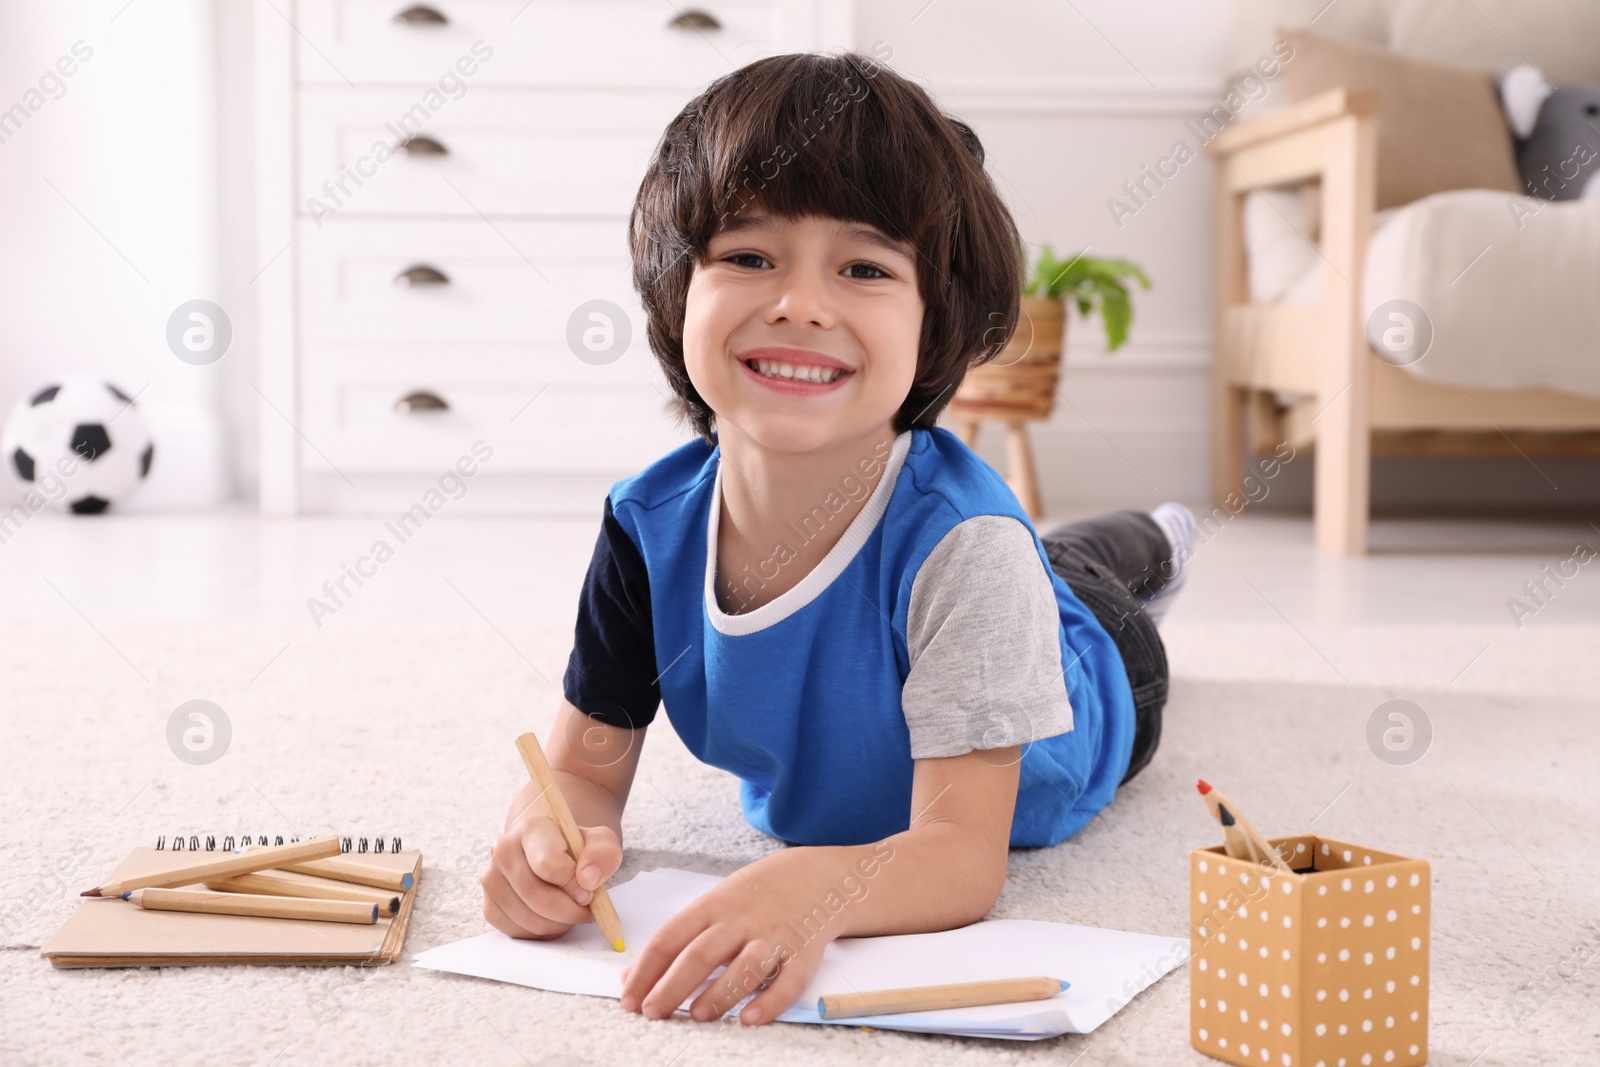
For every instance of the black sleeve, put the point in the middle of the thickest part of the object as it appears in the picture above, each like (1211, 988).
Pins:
(611, 675)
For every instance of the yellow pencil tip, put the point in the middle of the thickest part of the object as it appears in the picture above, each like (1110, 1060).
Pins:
(617, 944)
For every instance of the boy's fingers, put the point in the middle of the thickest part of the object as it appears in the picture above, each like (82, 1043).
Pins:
(553, 902)
(656, 956)
(511, 863)
(545, 852)
(511, 915)
(708, 951)
(499, 920)
(780, 996)
(601, 856)
(755, 966)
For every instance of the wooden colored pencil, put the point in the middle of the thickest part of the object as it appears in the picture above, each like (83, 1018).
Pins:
(605, 914)
(935, 997)
(273, 884)
(1237, 843)
(238, 863)
(1240, 839)
(343, 869)
(330, 911)
(1249, 843)
(1244, 841)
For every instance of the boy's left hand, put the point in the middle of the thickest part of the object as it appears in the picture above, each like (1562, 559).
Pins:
(752, 924)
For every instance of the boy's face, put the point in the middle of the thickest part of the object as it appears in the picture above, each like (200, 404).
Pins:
(801, 333)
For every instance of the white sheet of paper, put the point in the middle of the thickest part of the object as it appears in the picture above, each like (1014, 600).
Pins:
(1105, 968)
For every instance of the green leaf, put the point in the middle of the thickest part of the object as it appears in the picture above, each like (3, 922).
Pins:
(1089, 283)
(1117, 314)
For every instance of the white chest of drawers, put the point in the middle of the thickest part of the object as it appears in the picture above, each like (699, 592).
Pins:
(440, 187)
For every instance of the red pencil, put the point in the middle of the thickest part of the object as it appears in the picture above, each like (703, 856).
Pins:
(1240, 839)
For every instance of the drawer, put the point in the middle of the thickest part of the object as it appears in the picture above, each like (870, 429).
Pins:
(505, 282)
(516, 367)
(563, 427)
(542, 42)
(499, 151)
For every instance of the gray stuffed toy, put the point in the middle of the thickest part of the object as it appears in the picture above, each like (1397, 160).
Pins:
(1557, 131)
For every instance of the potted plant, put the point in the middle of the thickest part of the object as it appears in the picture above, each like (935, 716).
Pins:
(1019, 383)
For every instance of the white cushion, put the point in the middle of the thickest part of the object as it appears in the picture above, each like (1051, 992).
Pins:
(1511, 294)
(1507, 282)
(1282, 262)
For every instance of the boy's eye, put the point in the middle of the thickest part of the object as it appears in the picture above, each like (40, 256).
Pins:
(881, 273)
(755, 260)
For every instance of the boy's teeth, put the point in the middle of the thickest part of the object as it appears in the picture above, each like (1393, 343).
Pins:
(768, 368)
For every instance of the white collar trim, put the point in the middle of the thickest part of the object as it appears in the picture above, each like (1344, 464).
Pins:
(822, 575)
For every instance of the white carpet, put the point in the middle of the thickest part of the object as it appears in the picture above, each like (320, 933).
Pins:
(393, 728)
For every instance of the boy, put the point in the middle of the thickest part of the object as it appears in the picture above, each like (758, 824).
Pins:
(836, 601)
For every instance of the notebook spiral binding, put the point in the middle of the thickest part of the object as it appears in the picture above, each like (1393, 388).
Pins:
(192, 843)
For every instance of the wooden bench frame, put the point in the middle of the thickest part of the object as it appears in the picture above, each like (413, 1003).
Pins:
(1321, 350)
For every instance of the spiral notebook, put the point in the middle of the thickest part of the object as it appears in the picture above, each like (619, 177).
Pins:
(106, 932)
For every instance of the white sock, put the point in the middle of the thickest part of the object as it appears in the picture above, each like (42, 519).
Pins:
(1182, 532)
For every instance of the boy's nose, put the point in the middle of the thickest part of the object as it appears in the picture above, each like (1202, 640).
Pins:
(802, 300)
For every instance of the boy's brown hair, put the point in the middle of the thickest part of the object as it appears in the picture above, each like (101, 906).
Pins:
(842, 136)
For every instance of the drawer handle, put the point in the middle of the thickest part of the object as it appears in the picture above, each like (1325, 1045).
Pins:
(695, 19)
(423, 146)
(421, 274)
(421, 15)
(420, 401)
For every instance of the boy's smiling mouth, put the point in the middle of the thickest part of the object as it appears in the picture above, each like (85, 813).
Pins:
(793, 370)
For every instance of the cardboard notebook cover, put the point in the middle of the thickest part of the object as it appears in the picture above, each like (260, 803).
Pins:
(108, 932)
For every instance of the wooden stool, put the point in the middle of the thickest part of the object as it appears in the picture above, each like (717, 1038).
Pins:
(1018, 386)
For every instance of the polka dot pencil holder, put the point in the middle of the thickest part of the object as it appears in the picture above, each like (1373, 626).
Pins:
(1324, 967)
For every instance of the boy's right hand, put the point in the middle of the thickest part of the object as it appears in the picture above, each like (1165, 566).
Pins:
(533, 888)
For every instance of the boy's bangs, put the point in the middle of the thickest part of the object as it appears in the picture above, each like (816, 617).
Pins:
(823, 145)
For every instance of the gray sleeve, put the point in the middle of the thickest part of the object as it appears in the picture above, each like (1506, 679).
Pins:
(983, 632)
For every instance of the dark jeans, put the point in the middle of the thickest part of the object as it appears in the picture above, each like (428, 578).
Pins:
(1105, 560)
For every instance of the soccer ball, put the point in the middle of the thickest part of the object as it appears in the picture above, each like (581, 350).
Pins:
(79, 444)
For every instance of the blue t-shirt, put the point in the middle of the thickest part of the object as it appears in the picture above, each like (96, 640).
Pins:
(801, 698)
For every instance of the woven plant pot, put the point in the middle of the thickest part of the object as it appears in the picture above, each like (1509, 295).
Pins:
(1019, 383)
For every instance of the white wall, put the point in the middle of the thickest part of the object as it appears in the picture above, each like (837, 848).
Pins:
(1070, 101)
(110, 208)
(133, 192)
(1069, 106)
(152, 142)
(240, 260)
